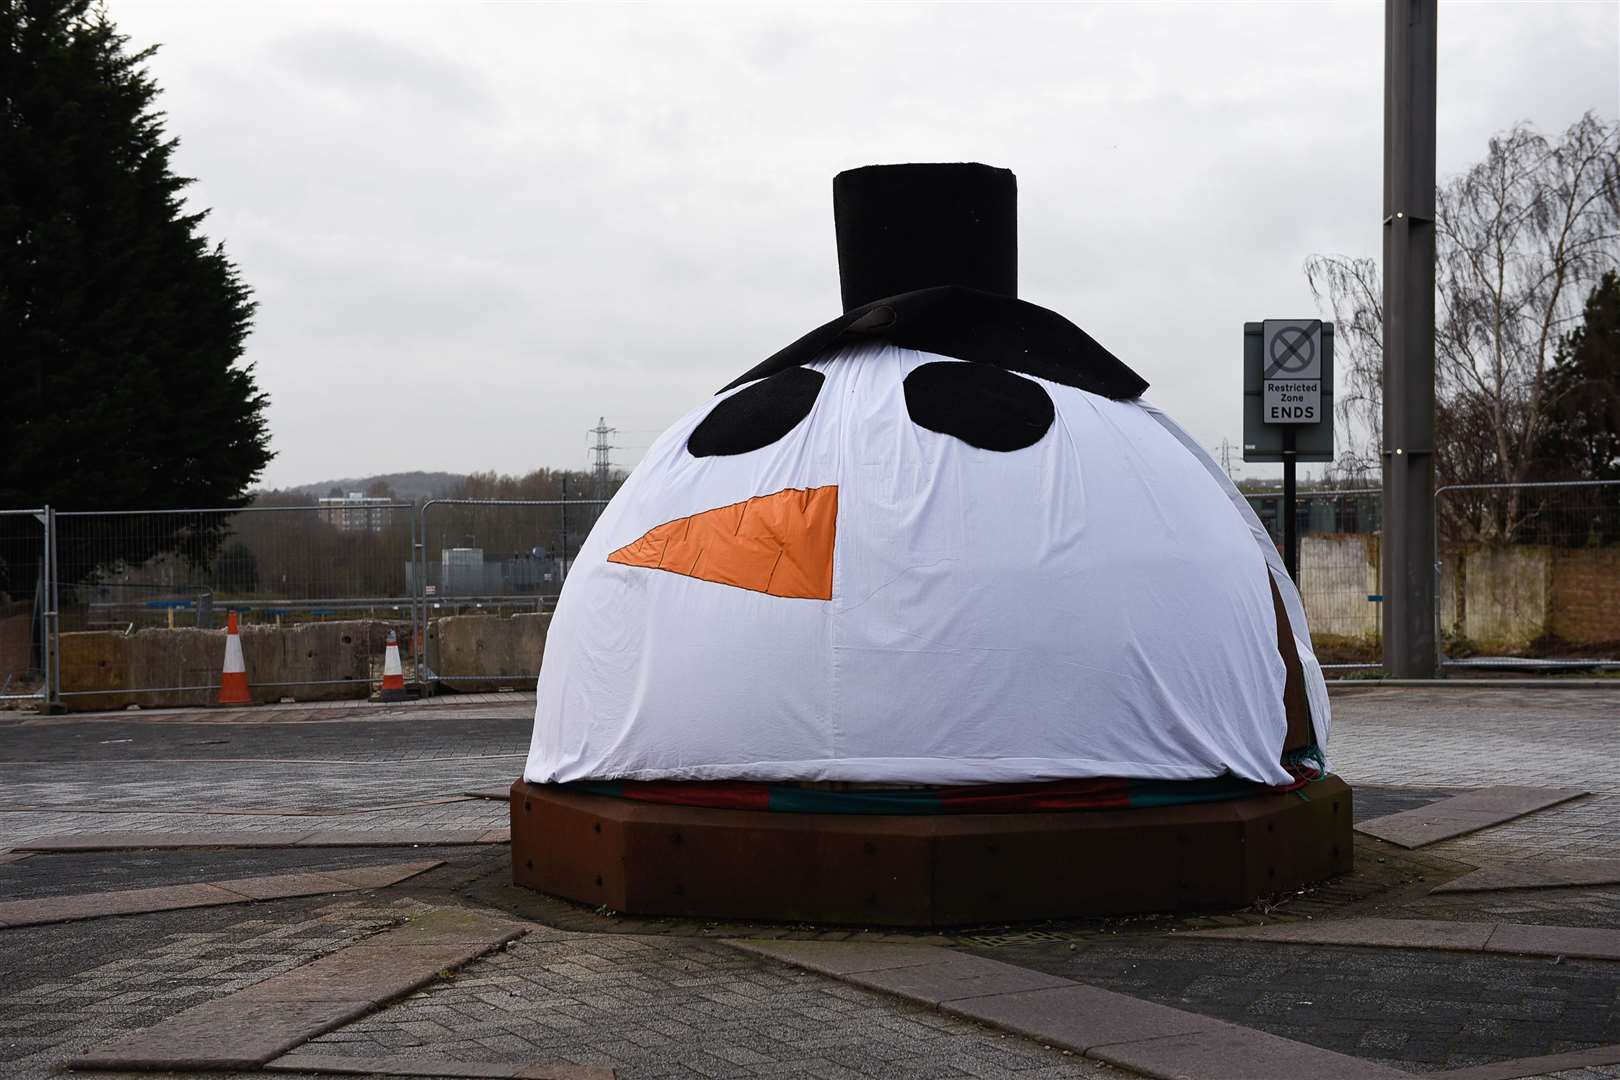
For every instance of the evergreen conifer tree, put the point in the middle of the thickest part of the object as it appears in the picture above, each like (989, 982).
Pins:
(121, 327)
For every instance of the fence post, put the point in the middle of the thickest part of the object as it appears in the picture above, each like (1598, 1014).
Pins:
(424, 673)
(418, 599)
(52, 622)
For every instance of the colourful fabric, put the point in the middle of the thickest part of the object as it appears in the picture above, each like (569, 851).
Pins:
(1101, 794)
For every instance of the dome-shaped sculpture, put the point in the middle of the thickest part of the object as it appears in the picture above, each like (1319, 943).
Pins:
(941, 544)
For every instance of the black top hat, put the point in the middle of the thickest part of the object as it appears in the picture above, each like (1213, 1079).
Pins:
(907, 227)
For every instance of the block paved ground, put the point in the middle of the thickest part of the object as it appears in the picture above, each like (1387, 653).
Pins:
(73, 985)
(664, 998)
(1412, 1009)
(667, 1008)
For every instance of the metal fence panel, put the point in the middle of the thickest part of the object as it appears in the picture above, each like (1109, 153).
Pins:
(1529, 574)
(491, 558)
(27, 611)
(1338, 569)
(128, 571)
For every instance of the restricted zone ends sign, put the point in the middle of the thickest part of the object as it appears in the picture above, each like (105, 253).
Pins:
(1288, 390)
(1291, 352)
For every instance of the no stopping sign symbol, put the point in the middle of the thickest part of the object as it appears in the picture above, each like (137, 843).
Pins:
(1292, 352)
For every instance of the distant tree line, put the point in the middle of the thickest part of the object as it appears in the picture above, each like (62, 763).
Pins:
(1527, 242)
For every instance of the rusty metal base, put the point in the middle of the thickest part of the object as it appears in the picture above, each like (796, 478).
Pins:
(934, 870)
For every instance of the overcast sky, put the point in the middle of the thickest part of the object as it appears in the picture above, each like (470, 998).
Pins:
(473, 229)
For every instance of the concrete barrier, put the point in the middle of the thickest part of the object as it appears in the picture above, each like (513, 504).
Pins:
(1337, 572)
(1504, 595)
(96, 660)
(104, 669)
(480, 653)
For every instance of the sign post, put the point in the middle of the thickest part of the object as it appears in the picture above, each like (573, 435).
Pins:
(1288, 406)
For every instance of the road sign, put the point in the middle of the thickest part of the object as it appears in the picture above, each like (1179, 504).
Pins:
(1288, 406)
(1288, 390)
(1291, 355)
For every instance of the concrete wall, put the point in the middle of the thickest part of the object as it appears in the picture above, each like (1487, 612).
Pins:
(1499, 598)
(314, 661)
(1337, 572)
(1503, 595)
(487, 652)
(1505, 598)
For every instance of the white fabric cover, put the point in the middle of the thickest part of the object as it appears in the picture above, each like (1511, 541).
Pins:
(1094, 605)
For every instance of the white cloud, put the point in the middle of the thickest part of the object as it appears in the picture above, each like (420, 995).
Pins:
(474, 229)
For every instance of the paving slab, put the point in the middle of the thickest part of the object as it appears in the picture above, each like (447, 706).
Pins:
(954, 979)
(375, 973)
(224, 1034)
(393, 837)
(1537, 874)
(408, 1066)
(456, 926)
(1524, 939)
(1406, 1008)
(1589, 942)
(66, 908)
(1397, 933)
(164, 841)
(253, 1026)
(282, 886)
(393, 1066)
(1229, 1052)
(381, 875)
(1079, 1018)
(1595, 1058)
(1464, 813)
(158, 841)
(844, 957)
(49, 909)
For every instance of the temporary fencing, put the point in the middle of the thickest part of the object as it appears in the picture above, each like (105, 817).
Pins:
(133, 569)
(1528, 575)
(28, 608)
(503, 557)
(124, 572)
(1338, 570)
(116, 599)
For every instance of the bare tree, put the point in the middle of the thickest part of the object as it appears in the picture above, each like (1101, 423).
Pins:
(1520, 240)
(1353, 291)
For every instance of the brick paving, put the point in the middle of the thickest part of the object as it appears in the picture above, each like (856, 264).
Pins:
(1469, 738)
(656, 999)
(282, 772)
(70, 986)
(1412, 1009)
(660, 1008)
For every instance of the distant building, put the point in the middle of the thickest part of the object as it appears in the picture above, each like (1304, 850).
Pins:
(467, 571)
(355, 512)
(461, 572)
(1318, 512)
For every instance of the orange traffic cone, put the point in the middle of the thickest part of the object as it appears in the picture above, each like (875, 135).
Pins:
(393, 685)
(233, 683)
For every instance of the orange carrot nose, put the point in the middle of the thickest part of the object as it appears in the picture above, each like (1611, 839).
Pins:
(780, 544)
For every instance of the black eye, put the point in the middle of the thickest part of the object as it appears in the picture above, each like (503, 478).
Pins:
(984, 406)
(757, 415)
